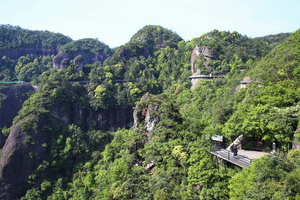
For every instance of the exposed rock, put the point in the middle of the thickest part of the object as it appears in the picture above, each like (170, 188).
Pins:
(21, 155)
(16, 53)
(104, 119)
(62, 60)
(12, 100)
(296, 143)
(112, 119)
(2, 140)
(237, 142)
(58, 60)
(148, 116)
(207, 53)
(78, 63)
(151, 118)
(244, 83)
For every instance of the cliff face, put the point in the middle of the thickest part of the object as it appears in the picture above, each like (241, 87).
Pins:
(22, 153)
(12, 99)
(103, 119)
(62, 60)
(148, 116)
(207, 53)
(16, 53)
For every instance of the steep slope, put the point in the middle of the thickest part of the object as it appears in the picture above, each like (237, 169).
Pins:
(145, 42)
(82, 52)
(23, 152)
(11, 102)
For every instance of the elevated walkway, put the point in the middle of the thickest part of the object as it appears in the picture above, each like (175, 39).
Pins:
(243, 159)
(201, 76)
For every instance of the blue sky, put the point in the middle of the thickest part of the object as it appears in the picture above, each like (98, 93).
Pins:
(114, 22)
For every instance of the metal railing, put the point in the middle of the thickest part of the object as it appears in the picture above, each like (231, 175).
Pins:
(238, 160)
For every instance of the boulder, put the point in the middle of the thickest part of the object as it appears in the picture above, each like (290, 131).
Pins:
(78, 63)
(22, 153)
(62, 60)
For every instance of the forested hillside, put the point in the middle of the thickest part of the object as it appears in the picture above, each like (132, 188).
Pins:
(71, 146)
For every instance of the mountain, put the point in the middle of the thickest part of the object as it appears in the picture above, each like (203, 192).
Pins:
(16, 42)
(131, 127)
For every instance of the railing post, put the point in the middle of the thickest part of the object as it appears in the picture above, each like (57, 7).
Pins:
(228, 155)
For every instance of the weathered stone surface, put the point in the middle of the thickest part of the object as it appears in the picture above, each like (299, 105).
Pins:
(207, 53)
(244, 83)
(16, 53)
(104, 119)
(60, 60)
(148, 116)
(152, 117)
(12, 100)
(78, 63)
(2, 140)
(296, 143)
(21, 155)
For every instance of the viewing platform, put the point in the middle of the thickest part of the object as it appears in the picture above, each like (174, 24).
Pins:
(242, 159)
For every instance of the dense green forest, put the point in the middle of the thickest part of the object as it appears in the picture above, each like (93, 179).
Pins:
(171, 159)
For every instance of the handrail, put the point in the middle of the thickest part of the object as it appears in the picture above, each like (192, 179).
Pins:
(12, 82)
(225, 154)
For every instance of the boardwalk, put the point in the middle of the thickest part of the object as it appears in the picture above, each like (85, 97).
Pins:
(243, 159)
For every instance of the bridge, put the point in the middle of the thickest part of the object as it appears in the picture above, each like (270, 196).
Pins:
(242, 159)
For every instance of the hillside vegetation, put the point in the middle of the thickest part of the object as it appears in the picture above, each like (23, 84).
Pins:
(166, 152)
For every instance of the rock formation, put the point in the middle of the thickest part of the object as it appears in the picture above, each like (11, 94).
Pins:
(22, 153)
(16, 53)
(244, 84)
(12, 100)
(148, 116)
(207, 53)
(62, 60)
(2, 140)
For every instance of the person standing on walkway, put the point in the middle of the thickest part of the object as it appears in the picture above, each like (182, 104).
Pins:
(235, 150)
(232, 149)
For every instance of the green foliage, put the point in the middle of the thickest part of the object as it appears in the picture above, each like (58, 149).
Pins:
(87, 45)
(271, 177)
(16, 37)
(173, 160)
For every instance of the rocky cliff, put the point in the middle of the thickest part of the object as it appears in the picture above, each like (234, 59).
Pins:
(147, 116)
(16, 53)
(22, 153)
(12, 99)
(104, 119)
(208, 55)
(62, 60)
